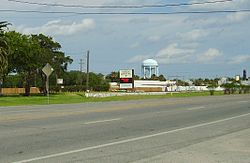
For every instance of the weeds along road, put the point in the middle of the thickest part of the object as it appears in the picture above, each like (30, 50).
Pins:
(195, 129)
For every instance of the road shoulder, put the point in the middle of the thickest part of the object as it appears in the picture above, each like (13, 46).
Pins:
(229, 148)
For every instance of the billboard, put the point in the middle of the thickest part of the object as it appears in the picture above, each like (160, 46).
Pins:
(126, 79)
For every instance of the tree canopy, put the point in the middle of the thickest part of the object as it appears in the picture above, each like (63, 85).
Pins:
(22, 58)
(27, 54)
(3, 49)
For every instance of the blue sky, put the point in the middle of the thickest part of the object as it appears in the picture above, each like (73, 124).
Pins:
(186, 45)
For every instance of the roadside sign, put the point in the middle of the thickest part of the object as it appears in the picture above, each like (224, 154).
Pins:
(126, 85)
(126, 73)
(126, 79)
(59, 81)
(47, 69)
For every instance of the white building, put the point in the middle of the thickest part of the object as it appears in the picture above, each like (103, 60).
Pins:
(153, 85)
(150, 67)
(222, 81)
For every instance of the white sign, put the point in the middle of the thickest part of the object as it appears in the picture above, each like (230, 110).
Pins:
(126, 85)
(47, 69)
(59, 81)
(126, 73)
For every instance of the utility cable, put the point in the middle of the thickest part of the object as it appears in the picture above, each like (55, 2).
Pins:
(120, 6)
(128, 13)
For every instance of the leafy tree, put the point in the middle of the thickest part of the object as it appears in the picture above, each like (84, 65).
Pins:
(162, 78)
(74, 78)
(181, 83)
(13, 81)
(76, 81)
(136, 77)
(113, 77)
(3, 53)
(51, 54)
(29, 54)
(3, 48)
(198, 82)
(154, 77)
(24, 56)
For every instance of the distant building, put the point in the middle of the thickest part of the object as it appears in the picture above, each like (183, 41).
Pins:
(245, 82)
(237, 78)
(148, 86)
(150, 67)
(222, 81)
(153, 85)
(161, 86)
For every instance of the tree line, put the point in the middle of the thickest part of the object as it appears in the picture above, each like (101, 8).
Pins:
(25, 56)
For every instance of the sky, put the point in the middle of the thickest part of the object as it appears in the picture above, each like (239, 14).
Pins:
(188, 45)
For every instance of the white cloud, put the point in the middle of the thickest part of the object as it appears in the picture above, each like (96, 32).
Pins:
(138, 58)
(154, 38)
(240, 59)
(221, 19)
(193, 35)
(210, 56)
(173, 50)
(175, 54)
(58, 27)
(159, 28)
(237, 17)
(135, 45)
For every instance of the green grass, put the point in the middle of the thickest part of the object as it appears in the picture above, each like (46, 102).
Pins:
(68, 98)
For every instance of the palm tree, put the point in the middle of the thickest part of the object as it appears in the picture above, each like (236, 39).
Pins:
(3, 24)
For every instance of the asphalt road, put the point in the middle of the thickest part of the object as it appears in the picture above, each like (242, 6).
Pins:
(195, 129)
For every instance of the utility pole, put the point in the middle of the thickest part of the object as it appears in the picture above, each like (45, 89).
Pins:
(81, 65)
(87, 80)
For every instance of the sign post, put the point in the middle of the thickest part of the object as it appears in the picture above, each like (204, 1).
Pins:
(47, 70)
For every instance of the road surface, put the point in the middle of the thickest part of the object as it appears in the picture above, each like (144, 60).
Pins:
(195, 129)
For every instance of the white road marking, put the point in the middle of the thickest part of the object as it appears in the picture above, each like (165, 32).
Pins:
(196, 108)
(19, 111)
(243, 101)
(130, 140)
(159, 112)
(102, 121)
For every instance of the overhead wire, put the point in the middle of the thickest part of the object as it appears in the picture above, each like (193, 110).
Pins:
(126, 13)
(123, 6)
(120, 6)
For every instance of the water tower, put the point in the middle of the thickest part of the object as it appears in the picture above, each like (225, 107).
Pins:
(150, 67)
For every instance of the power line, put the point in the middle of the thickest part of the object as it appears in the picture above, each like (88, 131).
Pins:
(127, 13)
(120, 6)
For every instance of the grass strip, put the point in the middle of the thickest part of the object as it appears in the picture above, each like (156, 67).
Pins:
(70, 98)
